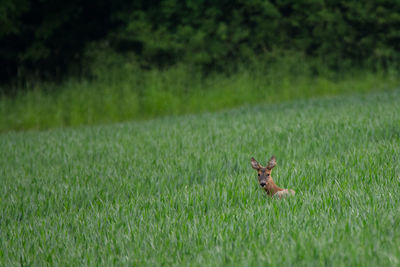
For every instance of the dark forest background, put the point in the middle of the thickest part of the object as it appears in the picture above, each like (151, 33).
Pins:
(47, 39)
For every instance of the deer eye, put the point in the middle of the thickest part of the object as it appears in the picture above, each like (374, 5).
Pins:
(267, 174)
(258, 174)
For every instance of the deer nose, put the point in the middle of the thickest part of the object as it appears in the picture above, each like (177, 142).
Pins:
(262, 184)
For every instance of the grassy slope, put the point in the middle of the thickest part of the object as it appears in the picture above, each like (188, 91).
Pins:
(129, 93)
(180, 190)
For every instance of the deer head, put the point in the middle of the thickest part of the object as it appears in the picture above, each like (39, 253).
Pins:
(264, 173)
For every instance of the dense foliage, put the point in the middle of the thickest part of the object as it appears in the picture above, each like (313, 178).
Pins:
(44, 38)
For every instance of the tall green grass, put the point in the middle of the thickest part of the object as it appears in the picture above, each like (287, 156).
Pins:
(119, 91)
(180, 191)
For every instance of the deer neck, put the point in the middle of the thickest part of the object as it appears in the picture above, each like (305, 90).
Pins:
(271, 188)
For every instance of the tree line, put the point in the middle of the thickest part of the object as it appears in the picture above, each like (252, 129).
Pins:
(47, 39)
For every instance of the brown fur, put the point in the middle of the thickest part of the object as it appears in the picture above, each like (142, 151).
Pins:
(265, 179)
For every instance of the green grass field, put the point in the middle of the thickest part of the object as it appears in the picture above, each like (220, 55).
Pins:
(180, 190)
(129, 93)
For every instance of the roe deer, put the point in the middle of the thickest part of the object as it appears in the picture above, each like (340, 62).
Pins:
(265, 179)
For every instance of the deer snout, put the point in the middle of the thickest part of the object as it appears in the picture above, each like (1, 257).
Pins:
(262, 184)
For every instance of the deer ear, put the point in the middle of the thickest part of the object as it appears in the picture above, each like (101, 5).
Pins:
(255, 164)
(271, 163)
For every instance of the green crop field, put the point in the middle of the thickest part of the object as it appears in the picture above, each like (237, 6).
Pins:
(180, 190)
